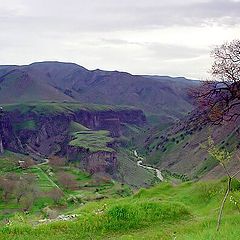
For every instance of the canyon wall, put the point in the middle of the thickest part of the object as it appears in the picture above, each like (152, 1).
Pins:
(48, 134)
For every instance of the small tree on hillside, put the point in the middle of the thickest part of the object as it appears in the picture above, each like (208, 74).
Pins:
(8, 185)
(29, 162)
(25, 185)
(67, 180)
(56, 161)
(55, 194)
(223, 157)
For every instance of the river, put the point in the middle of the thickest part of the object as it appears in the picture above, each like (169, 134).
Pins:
(140, 164)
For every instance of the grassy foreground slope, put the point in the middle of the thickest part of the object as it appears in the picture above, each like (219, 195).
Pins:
(187, 211)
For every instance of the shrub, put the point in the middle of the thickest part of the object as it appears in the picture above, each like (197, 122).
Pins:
(235, 185)
(138, 214)
(206, 191)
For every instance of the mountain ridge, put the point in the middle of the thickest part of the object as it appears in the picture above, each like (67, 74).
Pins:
(164, 97)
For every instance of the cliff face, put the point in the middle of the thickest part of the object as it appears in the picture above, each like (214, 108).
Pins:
(47, 134)
(1, 145)
(50, 132)
(97, 162)
(109, 120)
(8, 139)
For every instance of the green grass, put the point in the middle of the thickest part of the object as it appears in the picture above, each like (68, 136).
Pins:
(187, 211)
(76, 127)
(44, 181)
(9, 161)
(88, 189)
(206, 166)
(94, 141)
(30, 125)
(117, 217)
(63, 107)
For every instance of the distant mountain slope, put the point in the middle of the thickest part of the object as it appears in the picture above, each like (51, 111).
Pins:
(180, 147)
(164, 97)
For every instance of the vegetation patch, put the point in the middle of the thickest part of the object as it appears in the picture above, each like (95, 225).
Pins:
(140, 214)
(94, 141)
(156, 213)
(76, 127)
(28, 125)
(60, 107)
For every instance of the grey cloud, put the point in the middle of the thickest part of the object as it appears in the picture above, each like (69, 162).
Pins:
(106, 15)
(175, 52)
(162, 51)
(83, 31)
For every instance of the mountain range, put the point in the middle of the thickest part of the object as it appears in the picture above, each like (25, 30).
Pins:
(162, 98)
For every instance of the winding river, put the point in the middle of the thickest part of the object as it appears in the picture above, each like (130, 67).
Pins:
(140, 164)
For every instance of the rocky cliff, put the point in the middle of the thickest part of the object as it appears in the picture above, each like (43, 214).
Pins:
(8, 139)
(96, 162)
(48, 131)
(32, 130)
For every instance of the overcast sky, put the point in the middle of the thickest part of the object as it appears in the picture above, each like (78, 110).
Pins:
(164, 37)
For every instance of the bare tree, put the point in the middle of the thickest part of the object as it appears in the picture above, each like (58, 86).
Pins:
(7, 187)
(67, 180)
(27, 202)
(29, 162)
(8, 184)
(25, 185)
(55, 194)
(219, 98)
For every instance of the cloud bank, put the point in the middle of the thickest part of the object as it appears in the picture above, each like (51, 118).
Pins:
(168, 37)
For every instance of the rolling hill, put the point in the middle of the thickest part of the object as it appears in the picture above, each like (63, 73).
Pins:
(163, 98)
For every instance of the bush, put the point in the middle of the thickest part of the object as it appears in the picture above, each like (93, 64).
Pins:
(206, 191)
(49, 213)
(235, 185)
(75, 199)
(138, 214)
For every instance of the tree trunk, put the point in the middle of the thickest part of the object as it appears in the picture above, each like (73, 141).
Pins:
(223, 203)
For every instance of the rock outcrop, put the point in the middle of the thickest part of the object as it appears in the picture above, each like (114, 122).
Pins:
(1, 146)
(48, 133)
(8, 138)
(97, 162)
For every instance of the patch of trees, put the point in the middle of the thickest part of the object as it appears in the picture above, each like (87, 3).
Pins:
(67, 180)
(22, 188)
(56, 195)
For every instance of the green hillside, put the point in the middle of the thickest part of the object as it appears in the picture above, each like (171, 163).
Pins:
(163, 99)
(187, 211)
(179, 148)
(94, 141)
(60, 107)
